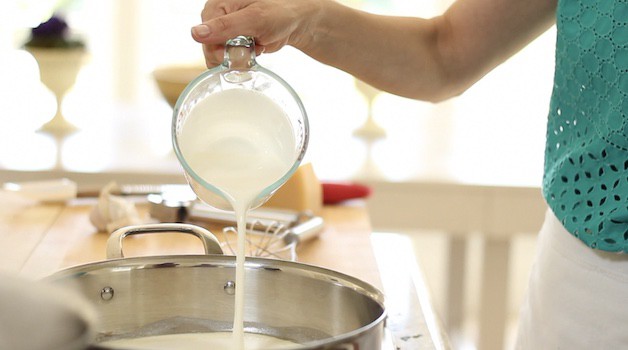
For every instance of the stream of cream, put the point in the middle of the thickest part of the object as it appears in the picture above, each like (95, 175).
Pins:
(241, 142)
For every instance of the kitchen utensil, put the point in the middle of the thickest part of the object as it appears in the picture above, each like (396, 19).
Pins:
(271, 233)
(299, 226)
(159, 295)
(238, 71)
(270, 243)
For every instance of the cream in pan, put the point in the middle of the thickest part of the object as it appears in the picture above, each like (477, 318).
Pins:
(198, 341)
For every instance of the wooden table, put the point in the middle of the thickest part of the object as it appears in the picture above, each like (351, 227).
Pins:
(37, 240)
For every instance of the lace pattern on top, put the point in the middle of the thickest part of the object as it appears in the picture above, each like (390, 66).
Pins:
(586, 164)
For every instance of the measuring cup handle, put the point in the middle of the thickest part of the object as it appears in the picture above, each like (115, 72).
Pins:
(114, 243)
(240, 53)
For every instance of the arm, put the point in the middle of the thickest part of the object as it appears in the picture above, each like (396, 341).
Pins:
(427, 59)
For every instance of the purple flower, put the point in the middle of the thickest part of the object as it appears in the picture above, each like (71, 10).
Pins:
(53, 34)
(55, 26)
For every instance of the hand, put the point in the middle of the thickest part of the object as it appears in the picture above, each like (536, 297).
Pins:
(272, 23)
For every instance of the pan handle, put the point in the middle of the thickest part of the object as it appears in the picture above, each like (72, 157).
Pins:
(114, 243)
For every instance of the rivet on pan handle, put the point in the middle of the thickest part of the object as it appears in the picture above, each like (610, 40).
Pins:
(114, 243)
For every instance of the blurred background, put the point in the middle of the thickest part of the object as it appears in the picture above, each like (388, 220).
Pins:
(461, 178)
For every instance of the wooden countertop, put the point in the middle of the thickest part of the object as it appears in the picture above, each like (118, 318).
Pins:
(37, 240)
(43, 238)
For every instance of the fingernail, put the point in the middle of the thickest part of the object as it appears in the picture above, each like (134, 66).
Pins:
(201, 30)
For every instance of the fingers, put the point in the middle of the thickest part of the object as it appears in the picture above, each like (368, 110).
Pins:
(220, 25)
(220, 29)
(215, 32)
(214, 54)
(200, 32)
(266, 21)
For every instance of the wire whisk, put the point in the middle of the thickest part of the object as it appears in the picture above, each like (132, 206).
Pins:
(263, 241)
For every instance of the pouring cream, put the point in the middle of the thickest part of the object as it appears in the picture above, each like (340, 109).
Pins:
(240, 142)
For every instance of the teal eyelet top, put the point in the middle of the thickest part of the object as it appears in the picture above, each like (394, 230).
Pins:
(586, 155)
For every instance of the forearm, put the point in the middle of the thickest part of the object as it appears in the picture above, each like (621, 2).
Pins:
(392, 53)
(427, 59)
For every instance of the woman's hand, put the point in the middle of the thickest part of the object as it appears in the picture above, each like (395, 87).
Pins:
(272, 23)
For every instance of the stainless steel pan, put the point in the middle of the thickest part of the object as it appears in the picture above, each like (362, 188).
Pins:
(156, 295)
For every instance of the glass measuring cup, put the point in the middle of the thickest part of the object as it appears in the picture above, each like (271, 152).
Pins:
(238, 88)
